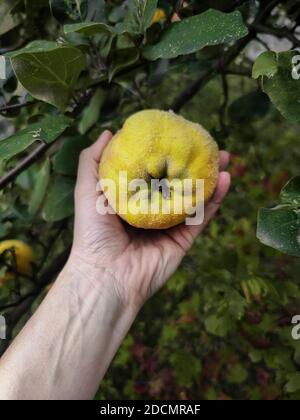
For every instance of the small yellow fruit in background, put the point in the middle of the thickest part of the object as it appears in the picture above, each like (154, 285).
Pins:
(159, 16)
(23, 258)
(159, 145)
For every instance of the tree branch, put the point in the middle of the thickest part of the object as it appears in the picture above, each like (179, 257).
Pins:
(238, 72)
(207, 75)
(265, 11)
(40, 150)
(278, 32)
(35, 155)
(191, 90)
(263, 43)
(223, 107)
(17, 303)
(14, 107)
(13, 316)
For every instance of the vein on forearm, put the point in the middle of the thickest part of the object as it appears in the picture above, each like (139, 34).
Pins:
(65, 349)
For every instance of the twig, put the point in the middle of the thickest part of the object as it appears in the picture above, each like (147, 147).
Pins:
(12, 269)
(207, 75)
(40, 150)
(191, 90)
(278, 32)
(235, 72)
(13, 316)
(24, 164)
(14, 107)
(17, 303)
(265, 11)
(263, 43)
(51, 245)
(223, 107)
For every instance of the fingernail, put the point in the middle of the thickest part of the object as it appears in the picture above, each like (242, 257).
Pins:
(106, 132)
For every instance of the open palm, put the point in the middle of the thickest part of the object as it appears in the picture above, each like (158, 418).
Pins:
(140, 261)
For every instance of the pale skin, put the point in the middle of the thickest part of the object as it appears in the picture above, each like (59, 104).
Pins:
(65, 349)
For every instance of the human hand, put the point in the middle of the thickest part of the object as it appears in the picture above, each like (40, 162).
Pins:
(140, 261)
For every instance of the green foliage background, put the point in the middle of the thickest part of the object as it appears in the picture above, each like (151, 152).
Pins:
(221, 329)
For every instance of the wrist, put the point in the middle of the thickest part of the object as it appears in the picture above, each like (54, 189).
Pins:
(88, 275)
(122, 278)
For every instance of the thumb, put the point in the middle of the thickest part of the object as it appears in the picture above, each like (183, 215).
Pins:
(88, 166)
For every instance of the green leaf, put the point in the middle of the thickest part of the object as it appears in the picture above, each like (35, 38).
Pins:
(169, 334)
(40, 188)
(94, 10)
(89, 28)
(293, 383)
(279, 82)
(59, 201)
(92, 112)
(26, 179)
(187, 367)
(249, 107)
(255, 355)
(140, 15)
(49, 71)
(8, 19)
(117, 14)
(3, 230)
(196, 32)
(123, 58)
(237, 374)
(46, 130)
(235, 305)
(265, 65)
(279, 228)
(66, 160)
(124, 354)
(290, 193)
(218, 325)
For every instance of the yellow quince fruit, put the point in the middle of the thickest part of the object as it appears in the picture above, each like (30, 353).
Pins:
(18, 253)
(158, 146)
(159, 16)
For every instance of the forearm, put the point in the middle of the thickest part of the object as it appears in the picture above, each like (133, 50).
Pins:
(65, 349)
